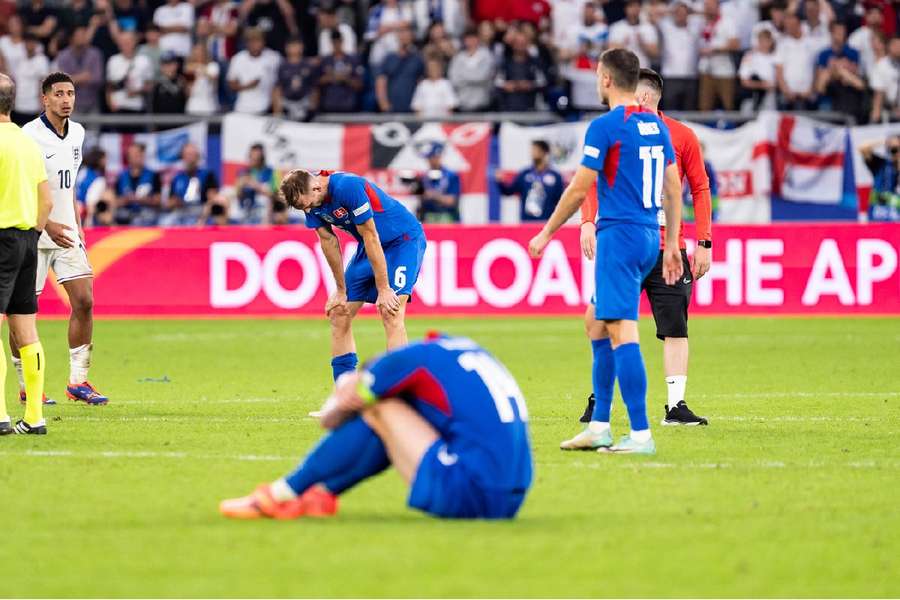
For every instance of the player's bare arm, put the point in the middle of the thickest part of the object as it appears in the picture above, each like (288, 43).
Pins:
(671, 201)
(568, 205)
(331, 248)
(387, 298)
(45, 204)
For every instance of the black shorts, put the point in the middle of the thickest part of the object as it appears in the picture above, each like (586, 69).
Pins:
(18, 271)
(669, 303)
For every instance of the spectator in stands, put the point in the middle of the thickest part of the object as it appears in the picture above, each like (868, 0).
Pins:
(28, 72)
(202, 74)
(438, 45)
(12, 45)
(718, 40)
(328, 24)
(91, 190)
(564, 15)
(775, 23)
(84, 64)
(150, 48)
(434, 97)
(275, 18)
(885, 82)
(680, 52)
(295, 89)
(103, 29)
(588, 29)
(76, 13)
(340, 79)
(169, 95)
(861, 40)
(386, 22)
(130, 17)
(175, 20)
(252, 74)
(539, 187)
(256, 187)
(838, 81)
(399, 74)
(192, 192)
(757, 74)
(630, 33)
(519, 77)
(40, 20)
(819, 16)
(223, 17)
(129, 77)
(138, 190)
(440, 188)
(472, 74)
(795, 61)
(885, 204)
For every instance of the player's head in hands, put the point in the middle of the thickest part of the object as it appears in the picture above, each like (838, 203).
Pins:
(649, 89)
(303, 190)
(58, 95)
(617, 76)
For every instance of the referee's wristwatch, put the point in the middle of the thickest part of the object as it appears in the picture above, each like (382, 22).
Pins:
(705, 243)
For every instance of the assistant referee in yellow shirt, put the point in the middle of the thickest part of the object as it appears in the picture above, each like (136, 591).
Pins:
(25, 204)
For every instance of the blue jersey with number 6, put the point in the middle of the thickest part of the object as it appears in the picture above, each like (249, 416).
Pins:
(630, 148)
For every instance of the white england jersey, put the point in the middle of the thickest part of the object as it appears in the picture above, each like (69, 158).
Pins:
(62, 158)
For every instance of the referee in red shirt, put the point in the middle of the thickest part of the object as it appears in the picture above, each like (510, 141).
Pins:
(669, 303)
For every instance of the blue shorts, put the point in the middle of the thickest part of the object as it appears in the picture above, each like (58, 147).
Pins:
(404, 259)
(626, 253)
(445, 487)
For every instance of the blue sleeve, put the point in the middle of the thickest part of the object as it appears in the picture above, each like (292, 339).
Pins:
(353, 194)
(559, 187)
(384, 376)
(668, 149)
(120, 184)
(453, 186)
(313, 222)
(822, 61)
(596, 143)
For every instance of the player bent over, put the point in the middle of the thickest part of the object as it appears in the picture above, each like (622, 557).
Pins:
(61, 246)
(444, 412)
(386, 264)
(630, 149)
(668, 303)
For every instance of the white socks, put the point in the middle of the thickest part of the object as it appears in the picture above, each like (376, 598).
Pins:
(641, 436)
(281, 491)
(17, 363)
(598, 427)
(675, 385)
(79, 363)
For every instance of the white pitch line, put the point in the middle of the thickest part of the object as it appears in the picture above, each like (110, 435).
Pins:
(891, 394)
(115, 454)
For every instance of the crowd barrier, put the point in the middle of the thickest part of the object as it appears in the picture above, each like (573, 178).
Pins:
(280, 271)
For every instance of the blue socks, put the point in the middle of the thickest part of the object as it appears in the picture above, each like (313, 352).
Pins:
(341, 459)
(343, 364)
(604, 379)
(632, 383)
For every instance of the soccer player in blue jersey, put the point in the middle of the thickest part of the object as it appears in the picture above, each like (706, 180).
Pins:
(444, 412)
(629, 154)
(386, 264)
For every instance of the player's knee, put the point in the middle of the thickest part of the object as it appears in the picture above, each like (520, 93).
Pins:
(340, 322)
(393, 322)
(82, 303)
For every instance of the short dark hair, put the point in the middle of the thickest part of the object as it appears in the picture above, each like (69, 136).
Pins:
(93, 157)
(295, 184)
(7, 94)
(652, 79)
(294, 40)
(53, 78)
(542, 144)
(624, 67)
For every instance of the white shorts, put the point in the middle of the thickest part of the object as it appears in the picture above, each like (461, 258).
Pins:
(67, 264)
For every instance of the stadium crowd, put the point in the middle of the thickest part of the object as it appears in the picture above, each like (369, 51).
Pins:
(298, 58)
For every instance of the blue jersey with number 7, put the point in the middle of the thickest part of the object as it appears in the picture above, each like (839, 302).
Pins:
(630, 148)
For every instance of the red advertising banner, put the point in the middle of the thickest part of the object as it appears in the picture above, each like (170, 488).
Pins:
(244, 271)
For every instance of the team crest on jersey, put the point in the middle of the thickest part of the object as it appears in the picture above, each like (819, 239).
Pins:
(76, 154)
(340, 213)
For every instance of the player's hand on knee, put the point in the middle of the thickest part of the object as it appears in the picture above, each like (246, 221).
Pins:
(702, 262)
(57, 233)
(672, 268)
(388, 302)
(588, 240)
(337, 303)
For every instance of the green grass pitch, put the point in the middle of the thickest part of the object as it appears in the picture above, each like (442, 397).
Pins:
(792, 490)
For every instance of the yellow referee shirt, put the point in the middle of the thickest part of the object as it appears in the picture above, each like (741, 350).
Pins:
(21, 170)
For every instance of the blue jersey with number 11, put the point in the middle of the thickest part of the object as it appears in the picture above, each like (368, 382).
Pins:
(630, 148)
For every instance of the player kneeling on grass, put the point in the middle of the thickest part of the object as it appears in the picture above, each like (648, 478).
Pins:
(444, 412)
(386, 264)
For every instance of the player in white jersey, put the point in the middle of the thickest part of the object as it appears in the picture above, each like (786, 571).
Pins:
(61, 246)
